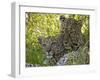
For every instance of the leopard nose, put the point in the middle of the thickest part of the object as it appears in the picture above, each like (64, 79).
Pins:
(48, 50)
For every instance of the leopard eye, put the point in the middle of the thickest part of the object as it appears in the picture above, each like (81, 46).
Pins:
(62, 31)
(65, 42)
(75, 44)
(63, 20)
(44, 45)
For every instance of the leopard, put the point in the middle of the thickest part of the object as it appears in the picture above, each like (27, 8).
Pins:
(70, 30)
(53, 48)
(56, 48)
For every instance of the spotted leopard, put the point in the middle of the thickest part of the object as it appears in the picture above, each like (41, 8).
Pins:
(57, 47)
(70, 29)
(53, 48)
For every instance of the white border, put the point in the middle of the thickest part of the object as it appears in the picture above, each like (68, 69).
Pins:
(15, 40)
(19, 58)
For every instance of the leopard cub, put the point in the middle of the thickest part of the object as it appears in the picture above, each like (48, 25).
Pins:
(70, 29)
(53, 48)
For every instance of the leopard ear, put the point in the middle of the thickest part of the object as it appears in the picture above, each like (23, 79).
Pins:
(40, 39)
(62, 18)
(80, 23)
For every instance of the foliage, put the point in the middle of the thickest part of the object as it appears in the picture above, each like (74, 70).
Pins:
(81, 56)
(46, 24)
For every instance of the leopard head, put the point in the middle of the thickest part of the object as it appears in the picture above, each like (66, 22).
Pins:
(46, 44)
(70, 24)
